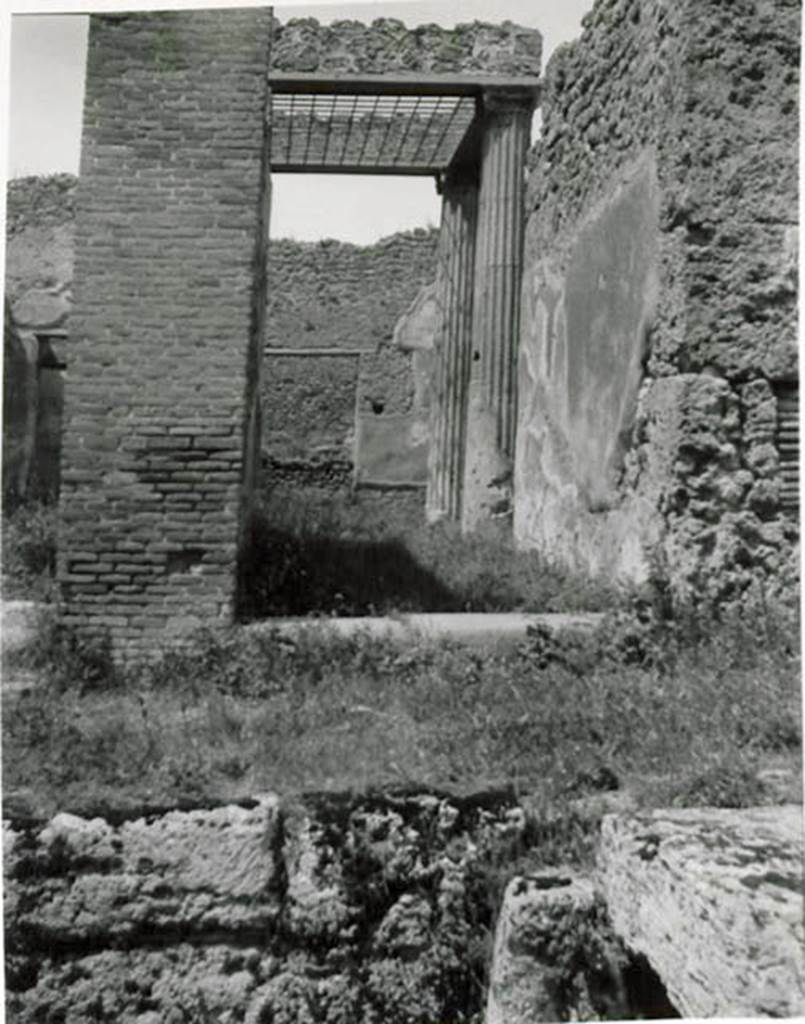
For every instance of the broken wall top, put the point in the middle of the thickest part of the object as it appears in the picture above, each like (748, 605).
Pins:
(708, 95)
(388, 46)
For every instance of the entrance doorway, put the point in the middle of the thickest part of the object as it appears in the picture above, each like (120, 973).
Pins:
(366, 366)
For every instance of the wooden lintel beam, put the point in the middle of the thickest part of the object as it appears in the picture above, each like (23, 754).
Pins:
(400, 170)
(397, 85)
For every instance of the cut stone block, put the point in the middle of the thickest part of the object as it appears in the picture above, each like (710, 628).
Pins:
(713, 899)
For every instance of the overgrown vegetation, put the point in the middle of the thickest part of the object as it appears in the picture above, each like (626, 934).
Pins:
(674, 705)
(29, 549)
(330, 554)
(678, 711)
(331, 557)
(659, 706)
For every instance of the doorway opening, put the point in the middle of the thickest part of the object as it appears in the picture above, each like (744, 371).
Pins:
(345, 403)
(355, 331)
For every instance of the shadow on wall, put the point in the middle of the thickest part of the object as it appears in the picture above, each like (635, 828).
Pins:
(291, 574)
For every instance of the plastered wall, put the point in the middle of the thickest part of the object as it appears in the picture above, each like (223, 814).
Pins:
(659, 294)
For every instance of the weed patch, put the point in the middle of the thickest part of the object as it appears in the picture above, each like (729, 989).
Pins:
(29, 550)
(334, 556)
(243, 711)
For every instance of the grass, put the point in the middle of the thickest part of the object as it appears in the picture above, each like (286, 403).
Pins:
(674, 716)
(673, 706)
(324, 554)
(28, 549)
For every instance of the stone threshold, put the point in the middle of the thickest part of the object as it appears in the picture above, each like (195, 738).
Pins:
(474, 629)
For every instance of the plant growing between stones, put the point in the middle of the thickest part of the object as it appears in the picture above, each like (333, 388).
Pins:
(29, 539)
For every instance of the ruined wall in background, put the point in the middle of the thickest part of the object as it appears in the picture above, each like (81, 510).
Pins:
(40, 213)
(327, 295)
(387, 45)
(165, 330)
(340, 396)
(659, 294)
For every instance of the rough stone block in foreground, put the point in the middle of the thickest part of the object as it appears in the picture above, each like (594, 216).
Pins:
(169, 303)
(328, 908)
(526, 975)
(714, 900)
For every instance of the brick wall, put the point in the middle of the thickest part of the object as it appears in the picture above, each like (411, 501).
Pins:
(660, 293)
(165, 331)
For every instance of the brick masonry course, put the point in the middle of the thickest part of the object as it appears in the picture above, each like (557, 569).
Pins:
(163, 331)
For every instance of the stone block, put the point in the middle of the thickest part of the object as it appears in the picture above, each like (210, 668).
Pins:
(391, 450)
(530, 973)
(714, 900)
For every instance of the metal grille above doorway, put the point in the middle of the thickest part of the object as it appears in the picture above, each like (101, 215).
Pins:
(377, 124)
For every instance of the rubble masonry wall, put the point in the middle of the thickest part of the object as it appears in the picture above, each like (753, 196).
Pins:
(659, 293)
(336, 305)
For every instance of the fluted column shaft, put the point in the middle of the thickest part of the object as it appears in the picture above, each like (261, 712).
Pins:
(453, 347)
(492, 398)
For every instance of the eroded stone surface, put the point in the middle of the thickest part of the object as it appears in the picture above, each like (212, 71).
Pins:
(338, 909)
(527, 964)
(86, 882)
(39, 253)
(388, 46)
(714, 900)
(659, 303)
(333, 910)
(171, 985)
(416, 328)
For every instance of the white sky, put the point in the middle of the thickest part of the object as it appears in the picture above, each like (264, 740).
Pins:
(46, 86)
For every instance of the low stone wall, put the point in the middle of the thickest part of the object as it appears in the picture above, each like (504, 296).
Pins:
(659, 298)
(361, 910)
(332, 909)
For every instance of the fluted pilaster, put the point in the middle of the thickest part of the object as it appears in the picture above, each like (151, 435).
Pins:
(453, 347)
(492, 393)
